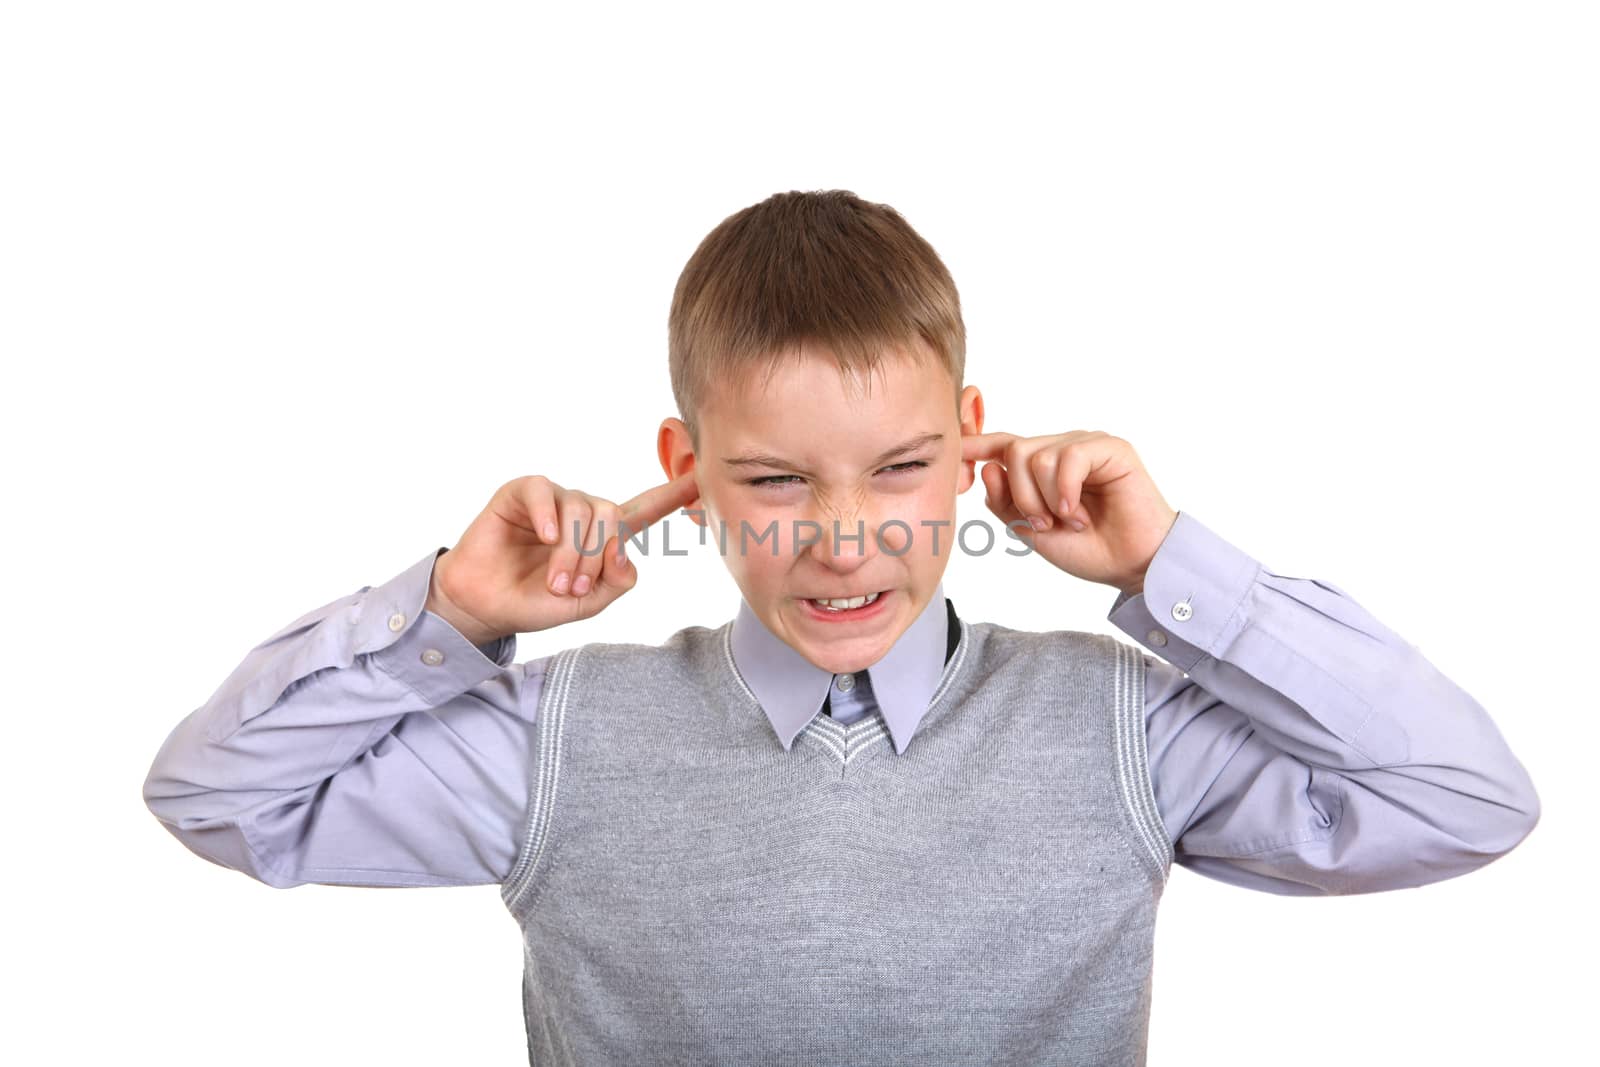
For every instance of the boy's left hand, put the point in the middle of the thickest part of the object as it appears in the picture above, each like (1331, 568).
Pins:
(1086, 479)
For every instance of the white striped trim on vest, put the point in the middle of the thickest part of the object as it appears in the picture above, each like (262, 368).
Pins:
(1133, 766)
(846, 742)
(551, 718)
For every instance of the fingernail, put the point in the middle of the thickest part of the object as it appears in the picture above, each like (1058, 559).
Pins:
(1076, 524)
(582, 585)
(1036, 521)
(550, 531)
(1065, 508)
(561, 581)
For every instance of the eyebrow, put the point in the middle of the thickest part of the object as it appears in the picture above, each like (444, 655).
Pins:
(766, 459)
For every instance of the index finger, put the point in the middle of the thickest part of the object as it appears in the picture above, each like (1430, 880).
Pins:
(984, 445)
(653, 504)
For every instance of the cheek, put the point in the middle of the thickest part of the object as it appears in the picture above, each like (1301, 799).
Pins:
(907, 514)
(934, 501)
(754, 558)
(935, 504)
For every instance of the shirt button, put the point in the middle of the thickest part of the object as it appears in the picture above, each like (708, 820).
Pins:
(433, 657)
(1181, 610)
(397, 622)
(1157, 638)
(847, 682)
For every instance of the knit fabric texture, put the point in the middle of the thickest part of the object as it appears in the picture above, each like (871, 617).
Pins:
(689, 892)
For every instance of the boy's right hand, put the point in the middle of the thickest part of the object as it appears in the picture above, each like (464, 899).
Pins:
(517, 569)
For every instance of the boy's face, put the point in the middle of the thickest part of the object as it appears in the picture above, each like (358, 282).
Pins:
(812, 448)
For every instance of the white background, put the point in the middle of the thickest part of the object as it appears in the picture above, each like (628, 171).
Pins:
(289, 289)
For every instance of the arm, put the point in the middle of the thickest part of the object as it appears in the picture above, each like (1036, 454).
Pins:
(343, 751)
(1309, 749)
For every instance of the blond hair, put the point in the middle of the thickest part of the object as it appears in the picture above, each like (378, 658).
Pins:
(823, 269)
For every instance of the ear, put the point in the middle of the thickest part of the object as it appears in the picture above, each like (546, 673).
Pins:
(969, 409)
(675, 449)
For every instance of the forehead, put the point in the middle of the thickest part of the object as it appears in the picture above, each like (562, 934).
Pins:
(809, 381)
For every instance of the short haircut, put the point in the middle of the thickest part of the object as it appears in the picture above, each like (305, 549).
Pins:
(824, 269)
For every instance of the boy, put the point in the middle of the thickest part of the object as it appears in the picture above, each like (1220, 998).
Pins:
(847, 825)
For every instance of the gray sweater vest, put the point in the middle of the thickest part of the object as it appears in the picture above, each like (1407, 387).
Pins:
(691, 893)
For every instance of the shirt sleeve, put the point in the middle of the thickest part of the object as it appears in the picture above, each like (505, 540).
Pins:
(367, 743)
(1299, 746)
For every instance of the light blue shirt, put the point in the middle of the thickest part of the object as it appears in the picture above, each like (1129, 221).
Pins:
(370, 743)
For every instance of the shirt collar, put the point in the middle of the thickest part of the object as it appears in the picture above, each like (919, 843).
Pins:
(790, 688)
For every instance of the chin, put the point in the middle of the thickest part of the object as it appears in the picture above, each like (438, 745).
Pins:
(847, 657)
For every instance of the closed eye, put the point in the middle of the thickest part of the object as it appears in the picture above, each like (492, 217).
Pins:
(774, 480)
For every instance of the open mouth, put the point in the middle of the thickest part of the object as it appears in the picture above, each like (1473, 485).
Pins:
(841, 609)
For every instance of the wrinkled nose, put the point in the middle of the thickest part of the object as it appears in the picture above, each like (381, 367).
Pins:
(842, 543)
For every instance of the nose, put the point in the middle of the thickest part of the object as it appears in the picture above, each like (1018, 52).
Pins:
(846, 542)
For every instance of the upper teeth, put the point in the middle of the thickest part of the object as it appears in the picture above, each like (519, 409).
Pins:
(847, 602)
